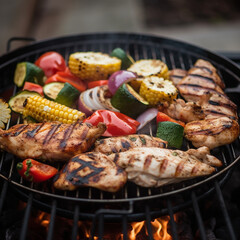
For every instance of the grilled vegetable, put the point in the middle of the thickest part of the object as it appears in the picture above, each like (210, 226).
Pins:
(16, 102)
(149, 67)
(129, 102)
(67, 95)
(33, 87)
(126, 59)
(92, 66)
(43, 109)
(162, 117)
(171, 132)
(94, 84)
(156, 90)
(28, 72)
(67, 76)
(5, 113)
(51, 90)
(117, 123)
(35, 171)
(51, 63)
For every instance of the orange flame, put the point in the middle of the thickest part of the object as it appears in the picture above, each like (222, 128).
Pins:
(136, 228)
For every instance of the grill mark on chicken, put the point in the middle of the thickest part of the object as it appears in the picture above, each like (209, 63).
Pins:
(50, 133)
(202, 77)
(148, 161)
(163, 166)
(125, 144)
(19, 130)
(116, 157)
(196, 87)
(71, 176)
(204, 68)
(35, 130)
(179, 168)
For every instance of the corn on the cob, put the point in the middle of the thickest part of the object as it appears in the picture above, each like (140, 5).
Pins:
(92, 66)
(156, 90)
(43, 109)
(5, 113)
(149, 67)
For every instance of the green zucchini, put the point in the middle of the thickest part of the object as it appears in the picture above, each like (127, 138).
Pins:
(128, 101)
(51, 90)
(171, 132)
(16, 102)
(126, 59)
(67, 95)
(26, 71)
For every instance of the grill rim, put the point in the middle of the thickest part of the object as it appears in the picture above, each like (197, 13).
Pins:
(8, 59)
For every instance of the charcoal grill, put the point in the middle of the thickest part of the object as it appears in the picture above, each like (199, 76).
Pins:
(132, 203)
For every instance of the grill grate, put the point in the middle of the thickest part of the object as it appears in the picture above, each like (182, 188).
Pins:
(90, 203)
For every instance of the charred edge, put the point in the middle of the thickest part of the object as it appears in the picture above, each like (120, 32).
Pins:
(147, 162)
(78, 180)
(114, 150)
(204, 68)
(119, 170)
(126, 145)
(35, 130)
(51, 132)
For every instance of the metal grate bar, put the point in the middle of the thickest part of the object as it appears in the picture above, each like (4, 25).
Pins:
(172, 222)
(75, 223)
(27, 214)
(124, 227)
(52, 221)
(148, 222)
(3, 195)
(198, 216)
(101, 226)
(225, 212)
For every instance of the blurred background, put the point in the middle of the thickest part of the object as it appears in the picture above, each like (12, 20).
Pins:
(212, 24)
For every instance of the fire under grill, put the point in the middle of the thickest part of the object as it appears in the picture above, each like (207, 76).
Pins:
(132, 203)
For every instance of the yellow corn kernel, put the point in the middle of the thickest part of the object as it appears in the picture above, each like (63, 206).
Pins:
(150, 67)
(43, 109)
(92, 66)
(156, 90)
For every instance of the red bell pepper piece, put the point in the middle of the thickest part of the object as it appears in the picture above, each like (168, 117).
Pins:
(51, 63)
(162, 117)
(97, 83)
(33, 87)
(35, 171)
(118, 124)
(67, 76)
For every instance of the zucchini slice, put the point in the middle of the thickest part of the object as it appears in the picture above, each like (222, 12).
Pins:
(126, 59)
(26, 71)
(67, 95)
(16, 102)
(128, 101)
(51, 90)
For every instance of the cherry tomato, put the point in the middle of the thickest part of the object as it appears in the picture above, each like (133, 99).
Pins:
(118, 124)
(35, 171)
(33, 87)
(97, 83)
(51, 63)
(67, 76)
(162, 117)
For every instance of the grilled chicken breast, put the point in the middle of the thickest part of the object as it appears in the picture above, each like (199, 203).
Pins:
(176, 75)
(153, 167)
(92, 170)
(181, 110)
(212, 132)
(124, 143)
(51, 141)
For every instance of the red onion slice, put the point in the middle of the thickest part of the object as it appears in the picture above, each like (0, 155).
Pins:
(118, 78)
(146, 117)
(83, 107)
